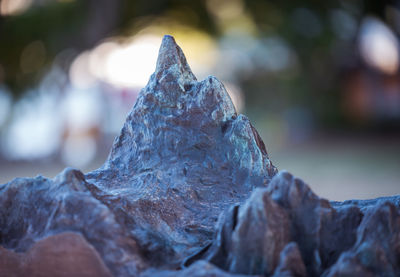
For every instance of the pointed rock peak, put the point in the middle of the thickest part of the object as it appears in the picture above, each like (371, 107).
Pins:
(171, 57)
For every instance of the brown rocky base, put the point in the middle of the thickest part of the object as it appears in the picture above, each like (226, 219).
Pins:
(189, 190)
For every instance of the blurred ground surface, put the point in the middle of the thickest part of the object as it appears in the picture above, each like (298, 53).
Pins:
(343, 168)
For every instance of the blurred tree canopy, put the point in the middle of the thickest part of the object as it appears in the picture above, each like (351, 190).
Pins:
(78, 25)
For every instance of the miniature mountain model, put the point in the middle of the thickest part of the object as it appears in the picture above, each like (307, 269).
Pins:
(189, 190)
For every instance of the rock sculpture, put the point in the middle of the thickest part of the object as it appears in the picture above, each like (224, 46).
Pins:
(188, 190)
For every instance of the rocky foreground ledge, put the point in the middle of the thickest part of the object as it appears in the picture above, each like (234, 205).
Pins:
(189, 190)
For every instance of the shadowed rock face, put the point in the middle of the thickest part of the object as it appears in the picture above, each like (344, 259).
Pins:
(189, 190)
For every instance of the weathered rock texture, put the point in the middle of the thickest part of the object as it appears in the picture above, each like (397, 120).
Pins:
(189, 190)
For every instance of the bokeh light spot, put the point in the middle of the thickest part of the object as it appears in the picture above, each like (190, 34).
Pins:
(379, 46)
(79, 72)
(14, 7)
(131, 64)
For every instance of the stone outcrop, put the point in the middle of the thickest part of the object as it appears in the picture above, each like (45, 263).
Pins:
(189, 190)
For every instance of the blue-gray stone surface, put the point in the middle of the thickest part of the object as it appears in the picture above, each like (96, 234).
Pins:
(188, 190)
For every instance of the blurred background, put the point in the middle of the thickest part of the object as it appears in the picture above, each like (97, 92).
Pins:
(320, 81)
